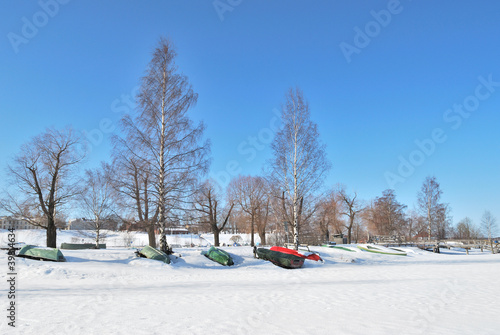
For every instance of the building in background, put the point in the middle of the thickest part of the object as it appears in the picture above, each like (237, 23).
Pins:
(7, 222)
(111, 223)
(80, 224)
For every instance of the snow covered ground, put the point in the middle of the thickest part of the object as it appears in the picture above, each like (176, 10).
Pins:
(113, 292)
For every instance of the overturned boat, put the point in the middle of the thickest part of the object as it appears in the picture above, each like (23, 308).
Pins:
(377, 249)
(219, 256)
(339, 247)
(311, 255)
(41, 253)
(152, 253)
(282, 259)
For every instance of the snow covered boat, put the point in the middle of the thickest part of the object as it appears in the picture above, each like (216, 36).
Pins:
(333, 246)
(152, 253)
(282, 259)
(381, 250)
(219, 256)
(40, 253)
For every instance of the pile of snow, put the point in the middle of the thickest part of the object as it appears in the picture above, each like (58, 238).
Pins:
(111, 291)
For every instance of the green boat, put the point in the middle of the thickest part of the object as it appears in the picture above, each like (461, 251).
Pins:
(79, 246)
(40, 253)
(381, 250)
(152, 253)
(284, 260)
(219, 256)
(337, 247)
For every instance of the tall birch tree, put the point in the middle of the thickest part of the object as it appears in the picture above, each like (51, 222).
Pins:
(299, 164)
(429, 204)
(168, 138)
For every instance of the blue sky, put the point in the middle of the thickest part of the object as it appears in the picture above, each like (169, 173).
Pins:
(379, 77)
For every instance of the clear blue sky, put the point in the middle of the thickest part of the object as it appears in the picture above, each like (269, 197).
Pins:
(378, 75)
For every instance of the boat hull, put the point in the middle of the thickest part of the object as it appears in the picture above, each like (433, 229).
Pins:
(219, 256)
(376, 250)
(312, 256)
(152, 253)
(40, 253)
(337, 247)
(281, 259)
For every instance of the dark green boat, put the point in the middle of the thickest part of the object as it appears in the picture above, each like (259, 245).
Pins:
(284, 260)
(40, 253)
(152, 253)
(219, 256)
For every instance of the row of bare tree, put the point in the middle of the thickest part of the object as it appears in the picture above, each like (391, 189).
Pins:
(155, 177)
(157, 165)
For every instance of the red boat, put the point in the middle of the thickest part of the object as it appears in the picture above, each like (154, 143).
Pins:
(312, 256)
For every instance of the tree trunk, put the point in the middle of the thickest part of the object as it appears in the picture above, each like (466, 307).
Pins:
(262, 235)
(297, 212)
(295, 226)
(295, 231)
(429, 228)
(51, 233)
(161, 181)
(163, 239)
(216, 237)
(349, 234)
(97, 238)
(151, 235)
(252, 230)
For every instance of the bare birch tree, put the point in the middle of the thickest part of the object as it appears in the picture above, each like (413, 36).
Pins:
(44, 174)
(429, 205)
(169, 140)
(97, 199)
(299, 164)
(489, 226)
(208, 202)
